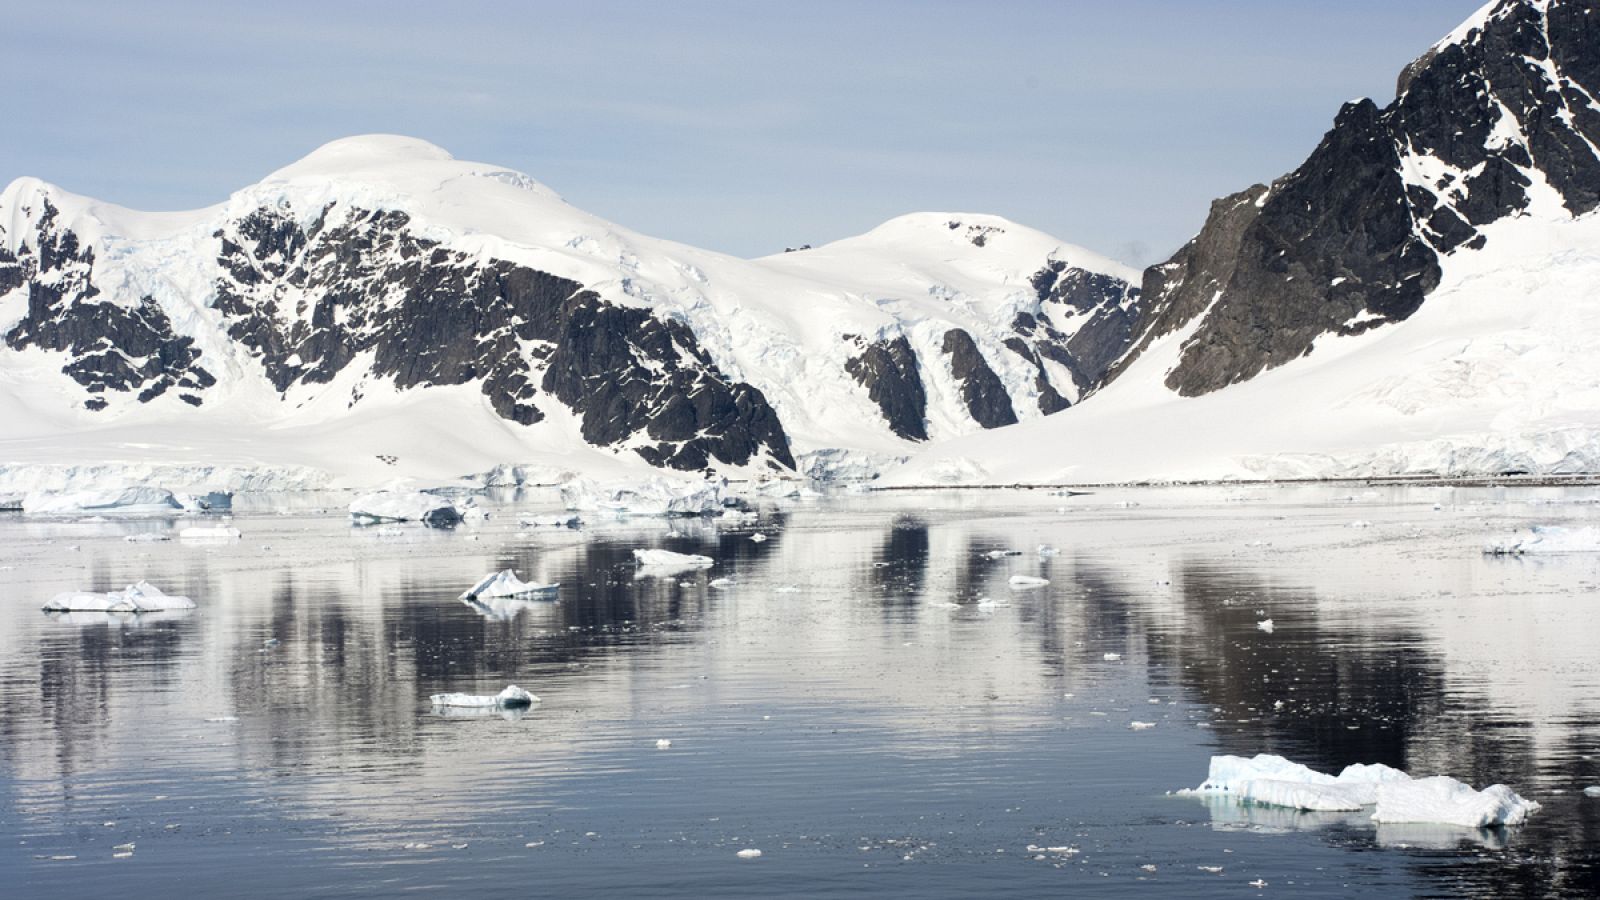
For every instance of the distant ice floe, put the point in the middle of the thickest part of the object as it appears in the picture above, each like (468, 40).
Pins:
(405, 506)
(1027, 582)
(1546, 539)
(652, 497)
(505, 583)
(666, 559)
(1266, 625)
(133, 500)
(141, 597)
(511, 698)
(1396, 797)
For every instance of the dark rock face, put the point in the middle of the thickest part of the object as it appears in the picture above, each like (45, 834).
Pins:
(111, 346)
(1090, 351)
(1352, 239)
(888, 370)
(981, 389)
(310, 300)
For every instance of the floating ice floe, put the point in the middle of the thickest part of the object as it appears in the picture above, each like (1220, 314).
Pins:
(146, 537)
(505, 583)
(721, 583)
(560, 520)
(11, 502)
(666, 559)
(758, 537)
(510, 698)
(1546, 539)
(210, 533)
(1266, 625)
(1001, 554)
(135, 598)
(1047, 550)
(1592, 791)
(655, 497)
(1024, 582)
(213, 501)
(1269, 780)
(1111, 657)
(405, 506)
(748, 853)
(117, 501)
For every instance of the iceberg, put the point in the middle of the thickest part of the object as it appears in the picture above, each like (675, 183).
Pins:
(1546, 539)
(1025, 582)
(11, 502)
(135, 598)
(117, 500)
(655, 497)
(405, 506)
(667, 559)
(1268, 780)
(1446, 801)
(510, 698)
(212, 501)
(505, 583)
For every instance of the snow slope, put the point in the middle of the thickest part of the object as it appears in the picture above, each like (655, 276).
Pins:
(1498, 372)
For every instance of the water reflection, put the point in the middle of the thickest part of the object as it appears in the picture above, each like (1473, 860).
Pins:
(855, 626)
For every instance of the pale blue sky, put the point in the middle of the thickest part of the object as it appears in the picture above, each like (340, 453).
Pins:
(739, 126)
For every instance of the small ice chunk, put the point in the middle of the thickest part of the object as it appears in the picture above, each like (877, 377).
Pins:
(1025, 582)
(669, 560)
(505, 583)
(510, 698)
(1446, 801)
(758, 537)
(1047, 550)
(1112, 657)
(748, 853)
(1592, 791)
(213, 533)
(148, 537)
(1141, 726)
(721, 583)
(1546, 539)
(1001, 554)
(663, 744)
(1265, 625)
(135, 598)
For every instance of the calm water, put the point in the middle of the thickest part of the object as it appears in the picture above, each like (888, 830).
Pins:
(847, 705)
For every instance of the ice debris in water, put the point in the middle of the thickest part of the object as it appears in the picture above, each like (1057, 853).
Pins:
(564, 520)
(1141, 726)
(405, 506)
(1592, 791)
(1022, 582)
(758, 537)
(1112, 657)
(721, 583)
(663, 744)
(669, 560)
(1269, 780)
(510, 698)
(135, 598)
(1266, 625)
(660, 496)
(1546, 539)
(1047, 550)
(505, 583)
(749, 853)
(148, 537)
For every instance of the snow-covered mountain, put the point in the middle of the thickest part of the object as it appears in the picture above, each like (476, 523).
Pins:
(379, 308)
(1421, 296)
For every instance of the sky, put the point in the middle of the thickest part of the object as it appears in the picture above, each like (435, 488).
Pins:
(742, 127)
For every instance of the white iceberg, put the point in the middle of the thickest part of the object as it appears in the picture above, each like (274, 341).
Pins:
(1266, 625)
(655, 497)
(509, 698)
(135, 598)
(666, 559)
(505, 583)
(1546, 539)
(116, 500)
(1446, 801)
(11, 502)
(1268, 780)
(212, 533)
(211, 501)
(1024, 582)
(405, 506)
